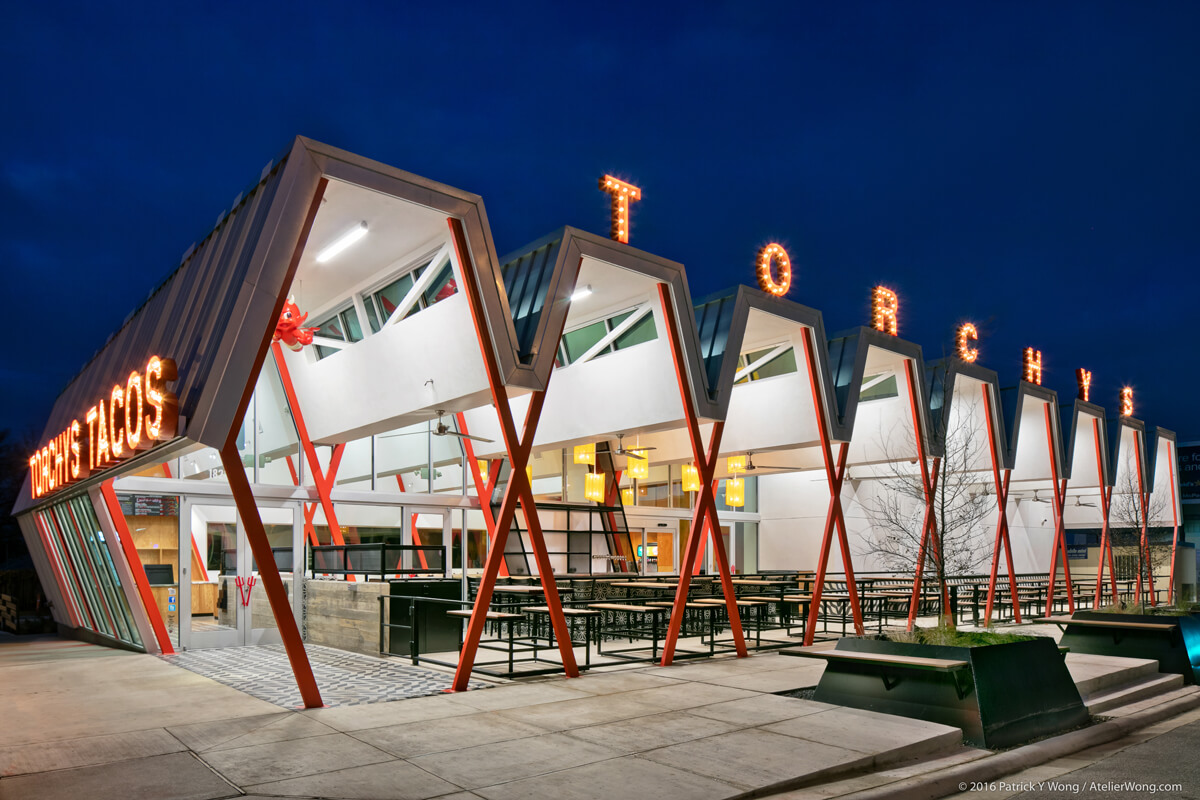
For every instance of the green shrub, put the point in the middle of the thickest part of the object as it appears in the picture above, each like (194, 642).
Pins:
(947, 636)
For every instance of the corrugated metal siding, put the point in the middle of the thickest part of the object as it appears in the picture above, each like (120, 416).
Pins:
(182, 320)
(189, 315)
(713, 319)
(527, 280)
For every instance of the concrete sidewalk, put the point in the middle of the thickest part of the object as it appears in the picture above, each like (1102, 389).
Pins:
(89, 722)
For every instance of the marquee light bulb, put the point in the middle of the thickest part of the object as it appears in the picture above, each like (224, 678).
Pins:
(342, 242)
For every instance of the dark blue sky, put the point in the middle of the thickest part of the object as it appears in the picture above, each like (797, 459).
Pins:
(1032, 167)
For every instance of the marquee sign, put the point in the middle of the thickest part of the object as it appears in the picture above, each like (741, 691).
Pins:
(774, 254)
(133, 416)
(967, 333)
(885, 307)
(1033, 366)
(622, 195)
(1083, 377)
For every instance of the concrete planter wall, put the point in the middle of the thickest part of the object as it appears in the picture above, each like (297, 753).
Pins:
(1176, 650)
(1009, 693)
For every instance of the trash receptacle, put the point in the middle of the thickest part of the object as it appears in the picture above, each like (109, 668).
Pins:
(436, 632)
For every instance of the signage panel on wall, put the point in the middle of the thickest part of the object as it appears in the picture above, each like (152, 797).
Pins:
(1189, 472)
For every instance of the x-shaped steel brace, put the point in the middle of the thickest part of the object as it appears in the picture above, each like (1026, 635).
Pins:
(835, 476)
(1002, 538)
(704, 517)
(929, 480)
(1060, 530)
(518, 488)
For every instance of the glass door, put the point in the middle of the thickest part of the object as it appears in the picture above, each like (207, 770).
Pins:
(208, 607)
(285, 534)
(428, 528)
(221, 602)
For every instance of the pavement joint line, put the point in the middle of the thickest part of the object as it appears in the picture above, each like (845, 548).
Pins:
(989, 768)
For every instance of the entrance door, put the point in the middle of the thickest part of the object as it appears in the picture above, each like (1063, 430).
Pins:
(221, 600)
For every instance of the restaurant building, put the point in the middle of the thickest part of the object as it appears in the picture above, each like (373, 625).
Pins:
(346, 360)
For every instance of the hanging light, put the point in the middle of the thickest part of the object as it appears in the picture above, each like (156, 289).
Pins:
(483, 469)
(585, 453)
(735, 464)
(339, 244)
(529, 473)
(691, 478)
(735, 492)
(627, 496)
(593, 486)
(638, 467)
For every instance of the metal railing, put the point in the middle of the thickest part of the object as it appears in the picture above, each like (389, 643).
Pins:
(378, 560)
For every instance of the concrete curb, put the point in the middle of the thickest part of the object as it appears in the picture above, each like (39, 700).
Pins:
(948, 782)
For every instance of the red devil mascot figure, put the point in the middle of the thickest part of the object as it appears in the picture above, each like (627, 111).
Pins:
(290, 330)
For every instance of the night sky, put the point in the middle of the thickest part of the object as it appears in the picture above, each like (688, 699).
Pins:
(1031, 167)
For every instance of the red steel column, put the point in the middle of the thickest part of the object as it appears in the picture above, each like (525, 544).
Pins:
(1060, 531)
(517, 490)
(322, 480)
(483, 489)
(929, 480)
(1171, 464)
(135, 566)
(1144, 545)
(1002, 540)
(268, 571)
(1106, 551)
(834, 475)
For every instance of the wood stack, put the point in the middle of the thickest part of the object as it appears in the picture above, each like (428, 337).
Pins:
(8, 613)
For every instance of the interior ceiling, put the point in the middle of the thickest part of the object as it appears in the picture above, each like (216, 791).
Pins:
(396, 230)
(767, 329)
(879, 359)
(613, 289)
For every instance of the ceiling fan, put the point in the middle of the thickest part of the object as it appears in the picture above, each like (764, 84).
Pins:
(442, 429)
(751, 466)
(1037, 499)
(1080, 504)
(630, 452)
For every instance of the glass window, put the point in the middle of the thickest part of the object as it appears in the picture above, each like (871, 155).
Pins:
(782, 364)
(580, 340)
(641, 331)
(392, 295)
(441, 287)
(878, 386)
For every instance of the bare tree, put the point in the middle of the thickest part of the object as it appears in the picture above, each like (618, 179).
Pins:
(1137, 556)
(962, 502)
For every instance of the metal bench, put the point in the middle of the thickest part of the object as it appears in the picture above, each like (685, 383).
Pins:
(506, 621)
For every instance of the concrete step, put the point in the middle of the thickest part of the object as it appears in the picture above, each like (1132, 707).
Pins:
(1093, 673)
(1135, 692)
(1146, 703)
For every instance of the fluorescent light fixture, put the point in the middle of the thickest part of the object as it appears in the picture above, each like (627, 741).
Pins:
(581, 292)
(342, 242)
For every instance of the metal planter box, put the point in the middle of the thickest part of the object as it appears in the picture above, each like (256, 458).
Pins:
(1176, 650)
(1008, 694)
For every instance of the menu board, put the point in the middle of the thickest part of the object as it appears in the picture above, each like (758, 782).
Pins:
(150, 505)
(1189, 472)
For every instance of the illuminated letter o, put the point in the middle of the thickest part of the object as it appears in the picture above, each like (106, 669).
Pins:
(766, 280)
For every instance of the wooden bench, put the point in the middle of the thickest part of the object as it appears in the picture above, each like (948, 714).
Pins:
(1102, 623)
(887, 665)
